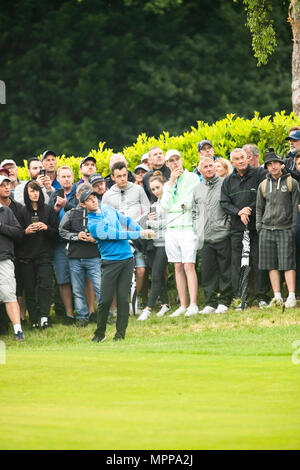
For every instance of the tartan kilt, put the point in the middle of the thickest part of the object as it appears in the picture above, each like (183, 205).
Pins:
(277, 249)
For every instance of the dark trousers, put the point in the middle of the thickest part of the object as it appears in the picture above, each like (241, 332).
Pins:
(158, 263)
(37, 281)
(216, 272)
(115, 275)
(4, 320)
(261, 277)
(298, 256)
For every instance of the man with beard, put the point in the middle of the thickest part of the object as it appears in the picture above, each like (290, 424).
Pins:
(34, 170)
(87, 167)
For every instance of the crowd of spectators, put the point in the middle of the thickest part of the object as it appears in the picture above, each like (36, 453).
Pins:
(92, 246)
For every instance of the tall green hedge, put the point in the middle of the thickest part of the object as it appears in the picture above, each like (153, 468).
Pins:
(226, 134)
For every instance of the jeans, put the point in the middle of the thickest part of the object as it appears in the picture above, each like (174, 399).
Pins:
(80, 268)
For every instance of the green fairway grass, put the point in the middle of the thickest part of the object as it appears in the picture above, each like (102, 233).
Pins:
(206, 382)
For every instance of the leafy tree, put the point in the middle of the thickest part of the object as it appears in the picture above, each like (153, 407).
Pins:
(260, 23)
(78, 73)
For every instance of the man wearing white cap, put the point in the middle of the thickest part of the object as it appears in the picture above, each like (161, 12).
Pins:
(10, 231)
(145, 161)
(180, 239)
(12, 168)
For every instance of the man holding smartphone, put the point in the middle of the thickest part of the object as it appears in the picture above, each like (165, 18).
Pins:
(62, 200)
(50, 163)
(37, 173)
(180, 238)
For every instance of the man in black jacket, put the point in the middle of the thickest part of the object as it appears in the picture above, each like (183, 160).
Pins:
(10, 231)
(289, 161)
(7, 200)
(157, 161)
(84, 259)
(238, 199)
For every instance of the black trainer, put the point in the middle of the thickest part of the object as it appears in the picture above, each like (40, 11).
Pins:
(92, 318)
(19, 336)
(118, 338)
(35, 326)
(69, 320)
(81, 323)
(98, 339)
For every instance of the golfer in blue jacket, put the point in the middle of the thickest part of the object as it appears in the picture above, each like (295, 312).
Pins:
(112, 230)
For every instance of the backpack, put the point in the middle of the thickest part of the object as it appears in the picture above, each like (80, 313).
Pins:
(289, 182)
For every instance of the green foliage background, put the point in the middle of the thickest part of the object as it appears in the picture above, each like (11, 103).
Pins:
(82, 72)
(226, 134)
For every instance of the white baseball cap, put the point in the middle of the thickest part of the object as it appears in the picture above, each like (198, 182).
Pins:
(4, 178)
(171, 153)
(6, 162)
(145, 157)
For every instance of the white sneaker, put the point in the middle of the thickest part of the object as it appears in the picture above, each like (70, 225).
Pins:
(192, 310)
(276, 302)
(164, 309)
(208, 309)
(239, 307)
(221, 309)
(262, 304)
(290, 303)
(179, 311)
(145, 314)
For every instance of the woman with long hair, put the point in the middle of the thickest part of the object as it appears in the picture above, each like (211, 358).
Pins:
(158, 260)
(223, 167)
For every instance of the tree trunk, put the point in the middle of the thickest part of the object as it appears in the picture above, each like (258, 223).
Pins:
(294, 18)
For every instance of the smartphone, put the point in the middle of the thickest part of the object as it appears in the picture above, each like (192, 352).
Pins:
(43, 172)
(153, 210)
(34, 219)
(60, 192)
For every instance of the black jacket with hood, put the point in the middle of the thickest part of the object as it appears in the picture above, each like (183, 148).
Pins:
(39, 244)
(10, 232)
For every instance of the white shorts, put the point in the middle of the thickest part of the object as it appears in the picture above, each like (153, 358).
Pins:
(7, 281)
(181, 246)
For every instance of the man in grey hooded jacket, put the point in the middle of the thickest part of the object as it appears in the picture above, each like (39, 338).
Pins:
(216, 251)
